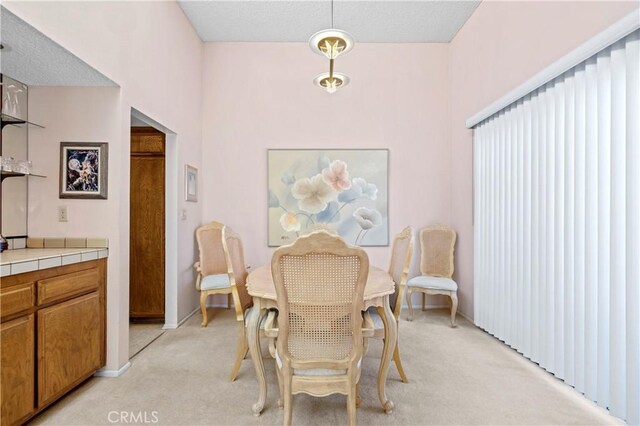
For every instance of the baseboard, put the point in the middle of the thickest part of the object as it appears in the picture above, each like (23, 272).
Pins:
(218, 305)
(466, 317)
(182, 321)
(112, 373)
(446, 306)
(419, 306)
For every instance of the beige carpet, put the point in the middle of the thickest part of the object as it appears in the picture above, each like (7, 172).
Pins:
(141, 335)
(457, 376)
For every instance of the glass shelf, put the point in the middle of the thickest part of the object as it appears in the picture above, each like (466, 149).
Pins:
(9, 120)
(5, 174)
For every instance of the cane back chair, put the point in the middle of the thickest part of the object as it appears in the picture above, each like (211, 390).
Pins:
(437, 244)
(401, 253)
(320, 283)
(221, 270)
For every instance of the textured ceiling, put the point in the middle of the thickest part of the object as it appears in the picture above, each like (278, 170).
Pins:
(34, 59)
(391, 21)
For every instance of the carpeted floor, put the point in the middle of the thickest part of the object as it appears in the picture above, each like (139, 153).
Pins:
(457, 376)
(141, 335)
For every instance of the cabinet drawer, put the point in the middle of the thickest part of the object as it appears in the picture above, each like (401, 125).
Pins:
(65, 286)
(17, 299)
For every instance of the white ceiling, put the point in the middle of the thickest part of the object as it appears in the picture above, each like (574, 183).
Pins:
(34, 59)
(390, 21)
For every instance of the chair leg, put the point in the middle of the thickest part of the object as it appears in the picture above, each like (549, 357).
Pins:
(358, 400)
(272, 347)
(203, 308)
(288, 399)
(410, 305)
(396, 359)
(424, 301)
(454, 307)
(229, 299)
(243, 347)
(351, 405)
(280, 387)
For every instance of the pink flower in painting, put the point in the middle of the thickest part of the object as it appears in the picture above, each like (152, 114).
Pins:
(337, 176)
(312, 194)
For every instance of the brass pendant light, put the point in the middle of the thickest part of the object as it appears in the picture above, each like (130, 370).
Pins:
(331, 43)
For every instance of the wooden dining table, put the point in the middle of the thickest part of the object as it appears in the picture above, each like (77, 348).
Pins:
(376, 293)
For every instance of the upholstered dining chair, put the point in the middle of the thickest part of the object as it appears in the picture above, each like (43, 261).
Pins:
(401, 253)
(221, 270)
(319, 282)
(436, 267)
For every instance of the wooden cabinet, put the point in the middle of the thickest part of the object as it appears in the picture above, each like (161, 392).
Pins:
(18, 369)
(147, 224)
(69, 345)
(52, 335)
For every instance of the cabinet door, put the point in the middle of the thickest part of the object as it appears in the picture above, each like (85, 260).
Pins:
(18, 369)
(69, 345)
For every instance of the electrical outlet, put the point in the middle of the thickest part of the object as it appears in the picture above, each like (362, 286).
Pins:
(63, 214)
(184, 214)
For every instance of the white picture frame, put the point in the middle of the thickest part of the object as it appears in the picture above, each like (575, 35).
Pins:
(190, 183)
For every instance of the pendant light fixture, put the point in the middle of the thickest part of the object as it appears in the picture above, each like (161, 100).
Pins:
(331, 43)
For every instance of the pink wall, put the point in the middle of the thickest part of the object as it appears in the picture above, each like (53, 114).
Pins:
(501, 46)
(412, 99)
(153, 53)
(260, 95)
(76, 114)
(70, 114)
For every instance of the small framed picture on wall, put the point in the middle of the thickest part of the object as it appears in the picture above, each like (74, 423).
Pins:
(190, 183)
(83, 170)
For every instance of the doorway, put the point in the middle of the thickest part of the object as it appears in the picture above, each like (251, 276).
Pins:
(147, 237)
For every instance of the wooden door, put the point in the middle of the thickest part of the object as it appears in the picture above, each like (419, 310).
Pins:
(147, 224)
(18, 369)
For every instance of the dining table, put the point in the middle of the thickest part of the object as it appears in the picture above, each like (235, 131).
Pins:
(262, 289)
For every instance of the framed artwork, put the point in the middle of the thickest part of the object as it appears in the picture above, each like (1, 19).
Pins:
(344, 189)
(190, 183)
(83, 170)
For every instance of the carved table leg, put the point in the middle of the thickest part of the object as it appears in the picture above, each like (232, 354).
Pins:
(391, 334)
(253, 338)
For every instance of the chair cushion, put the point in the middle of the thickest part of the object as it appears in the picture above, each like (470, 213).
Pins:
(316, 371)
(375, 317)
(436, 283)
(211, 282)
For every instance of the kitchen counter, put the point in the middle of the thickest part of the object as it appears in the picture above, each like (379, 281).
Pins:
(14, 262)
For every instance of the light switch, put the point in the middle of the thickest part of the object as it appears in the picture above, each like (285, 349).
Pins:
(63, 214)
(184, 214)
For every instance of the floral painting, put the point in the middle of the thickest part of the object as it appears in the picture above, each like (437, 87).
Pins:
(346, 190)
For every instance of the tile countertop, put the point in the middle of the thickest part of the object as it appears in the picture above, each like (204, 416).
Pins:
(14, 262)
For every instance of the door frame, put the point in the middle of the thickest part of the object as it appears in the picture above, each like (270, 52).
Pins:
(171, 219)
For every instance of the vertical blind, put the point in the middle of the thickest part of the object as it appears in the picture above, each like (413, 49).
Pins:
(557, 227)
